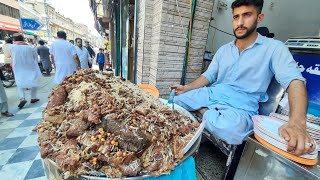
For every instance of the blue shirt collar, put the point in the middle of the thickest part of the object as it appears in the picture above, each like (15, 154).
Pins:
(259, 40)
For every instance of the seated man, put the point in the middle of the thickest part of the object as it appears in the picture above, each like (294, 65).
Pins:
(229, 92)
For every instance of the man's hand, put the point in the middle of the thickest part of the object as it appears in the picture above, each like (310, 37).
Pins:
(298, 138)
(180, 89)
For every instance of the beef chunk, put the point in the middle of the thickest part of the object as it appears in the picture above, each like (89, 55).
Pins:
(57, 97)
(133, 140)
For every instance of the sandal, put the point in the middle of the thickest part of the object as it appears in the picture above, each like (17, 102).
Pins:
(22, 103)
(34, 100)
(7, 114)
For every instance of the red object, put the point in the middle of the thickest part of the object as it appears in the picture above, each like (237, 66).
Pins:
(10, 26)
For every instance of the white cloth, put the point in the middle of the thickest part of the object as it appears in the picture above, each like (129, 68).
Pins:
(33, 93)
(63, 53)
(3, 95)
(84, 57)
(25, 66)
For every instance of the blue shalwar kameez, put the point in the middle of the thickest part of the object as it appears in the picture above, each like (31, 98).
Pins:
(238, 82)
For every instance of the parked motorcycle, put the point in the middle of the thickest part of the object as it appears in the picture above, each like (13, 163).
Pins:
(8, 75)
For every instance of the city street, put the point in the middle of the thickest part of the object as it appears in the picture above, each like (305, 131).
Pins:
(19, 151)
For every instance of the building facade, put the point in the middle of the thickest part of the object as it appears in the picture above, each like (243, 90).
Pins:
(9, 18)
(157, 42)
(57, 22)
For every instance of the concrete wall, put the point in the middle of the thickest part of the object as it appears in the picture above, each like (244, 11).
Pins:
(284, 18)
(162, 38)
(14, 4)
(144, 31)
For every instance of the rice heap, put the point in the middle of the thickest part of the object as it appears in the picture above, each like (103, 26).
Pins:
(99, 122)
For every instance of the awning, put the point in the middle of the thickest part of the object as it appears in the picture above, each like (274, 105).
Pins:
(9, 27)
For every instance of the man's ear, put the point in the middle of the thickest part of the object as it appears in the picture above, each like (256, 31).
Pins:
(260, 17)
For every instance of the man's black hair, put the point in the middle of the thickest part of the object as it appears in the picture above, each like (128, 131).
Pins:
(78, 39)
(62, 34)
(257, 3)
(41, 42)
(71, 41)
(18, 37)
(9, 40)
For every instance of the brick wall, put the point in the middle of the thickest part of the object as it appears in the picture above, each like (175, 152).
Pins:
(163, 46)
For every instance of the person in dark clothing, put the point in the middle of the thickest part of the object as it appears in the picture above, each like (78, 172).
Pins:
(91, 52)
(100, 59)
(44, 54)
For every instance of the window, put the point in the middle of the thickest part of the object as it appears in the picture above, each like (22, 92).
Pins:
(9, 11)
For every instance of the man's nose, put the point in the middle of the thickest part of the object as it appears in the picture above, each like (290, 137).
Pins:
(240, 21)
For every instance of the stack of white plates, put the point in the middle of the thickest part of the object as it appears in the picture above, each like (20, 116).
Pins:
(313, 129)
(313, 119)
(310, 118)
(267, 128)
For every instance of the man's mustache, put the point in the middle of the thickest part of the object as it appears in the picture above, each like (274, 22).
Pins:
(241, 27)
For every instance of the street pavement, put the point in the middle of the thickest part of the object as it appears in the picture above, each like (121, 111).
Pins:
(19, 151)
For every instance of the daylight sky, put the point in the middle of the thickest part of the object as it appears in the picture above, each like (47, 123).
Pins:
(77, 10)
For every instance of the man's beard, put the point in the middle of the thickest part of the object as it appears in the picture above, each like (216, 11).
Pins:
(248, 33)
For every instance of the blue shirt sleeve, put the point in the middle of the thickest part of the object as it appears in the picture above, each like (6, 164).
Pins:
(212, 72)
(284, 66)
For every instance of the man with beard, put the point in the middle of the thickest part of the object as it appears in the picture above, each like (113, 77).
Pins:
(229, 92)
(82, 53)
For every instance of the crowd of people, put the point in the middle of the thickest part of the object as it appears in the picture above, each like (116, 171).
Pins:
(65, 56)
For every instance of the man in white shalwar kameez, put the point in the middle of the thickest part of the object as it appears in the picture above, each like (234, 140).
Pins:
(82, 53)
(25, 68)
(64, 57)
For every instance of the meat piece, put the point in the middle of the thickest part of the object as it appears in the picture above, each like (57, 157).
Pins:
(133, 140)
(154, 166)
(77, 128)
(57, 97)
(104, 159)
(67, 163)
(94, 116)
(177, 146)
(132, 168)
(45, 150)
(55, 119)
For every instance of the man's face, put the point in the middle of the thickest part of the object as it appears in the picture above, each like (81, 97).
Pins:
(245, 20)
(87, 44)
(79, 43)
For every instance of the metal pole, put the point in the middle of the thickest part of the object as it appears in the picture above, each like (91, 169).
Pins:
(135, 42)
(47, 18)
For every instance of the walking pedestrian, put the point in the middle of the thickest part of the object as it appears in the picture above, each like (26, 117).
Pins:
(83, 54)
(72, 42)
(64, 57)
(25, 67)
(6, 53)
(44, 54)
(91, 52)
(100, 59)
(3, 99)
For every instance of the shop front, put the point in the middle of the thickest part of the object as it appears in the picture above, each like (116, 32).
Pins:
(7, 29)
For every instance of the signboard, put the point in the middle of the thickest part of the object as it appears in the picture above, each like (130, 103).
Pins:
(309, 66)
(30, 24)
